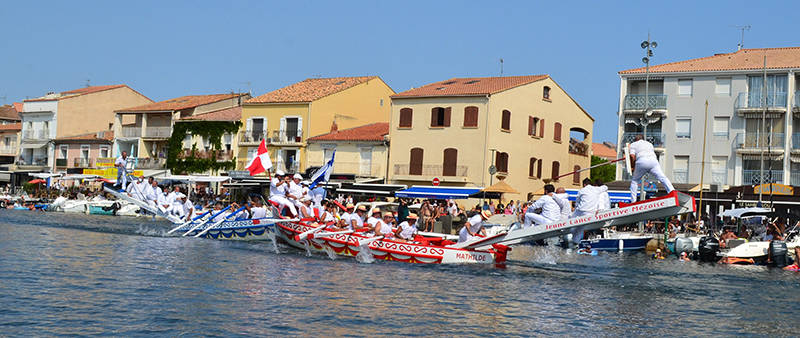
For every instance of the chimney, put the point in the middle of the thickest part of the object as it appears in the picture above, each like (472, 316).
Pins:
(334, 127)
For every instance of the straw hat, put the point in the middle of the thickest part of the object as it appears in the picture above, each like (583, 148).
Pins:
(486, 214)
(360, 208)
(388, 214)
(297, 177)
(374, 210)
(412, 216)
(350, 206)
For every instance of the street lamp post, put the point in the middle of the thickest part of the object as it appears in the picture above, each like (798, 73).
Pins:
(644, 120)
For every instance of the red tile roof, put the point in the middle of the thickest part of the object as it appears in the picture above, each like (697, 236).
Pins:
(11, 127)
(8, 112)
(180, 103)
(78, 92)
(472, 86)
(369, 132)
(18, 106)
(227, 114)
(745, 59)
(604, 151)
(107, 136)
(310, 90)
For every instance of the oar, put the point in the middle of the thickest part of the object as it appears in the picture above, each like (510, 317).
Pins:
(331, 233)
(206, 221)
(219, 222)
(303, 235)
(364, 242)
(187, 222)
(548, 180)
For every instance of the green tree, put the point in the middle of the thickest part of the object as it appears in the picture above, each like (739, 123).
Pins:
(605, 173)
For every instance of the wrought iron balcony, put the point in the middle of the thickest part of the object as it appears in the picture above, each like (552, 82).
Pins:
(680, 176)
(754, 100)
(42, 134)
(795, 140)
(719, 177)
(656, 138)
(131, 131)
(81, 162)
(750, 177)
(637, 101)
(252, 136)
(758, 140)
(286, 137)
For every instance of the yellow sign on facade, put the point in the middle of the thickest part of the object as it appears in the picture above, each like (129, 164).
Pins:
(105, 162)
(109, 173)
(776, 189)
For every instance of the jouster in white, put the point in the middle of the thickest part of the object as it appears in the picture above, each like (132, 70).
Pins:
(551, 210)
(277, 192)
(644, 157)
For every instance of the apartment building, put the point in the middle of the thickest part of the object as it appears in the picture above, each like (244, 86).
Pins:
(287, 116)
(10, 128)
(738, 98)
(146, 136)
(526, 127)
(68, 113)
(361, 152)
(78, 152)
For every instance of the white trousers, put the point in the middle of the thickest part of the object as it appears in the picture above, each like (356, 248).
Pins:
(285, 203)
(122, 177)
(644, 166)
(577, 233)
(537, 219)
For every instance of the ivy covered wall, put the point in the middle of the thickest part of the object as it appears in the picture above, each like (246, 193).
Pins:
(213, 130)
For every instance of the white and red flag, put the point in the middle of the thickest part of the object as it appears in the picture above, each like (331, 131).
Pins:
(261, 162)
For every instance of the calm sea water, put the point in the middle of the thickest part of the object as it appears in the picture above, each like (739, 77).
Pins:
(64, 274)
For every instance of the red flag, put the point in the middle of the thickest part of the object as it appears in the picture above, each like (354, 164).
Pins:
(261, 162)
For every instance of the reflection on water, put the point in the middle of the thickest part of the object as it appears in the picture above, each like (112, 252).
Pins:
(79, 274)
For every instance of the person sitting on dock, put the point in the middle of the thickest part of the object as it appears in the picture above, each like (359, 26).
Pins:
(408, 228)
(474, 226)
(384, 226)
(644, 160)
(277, 192)
(551, 210)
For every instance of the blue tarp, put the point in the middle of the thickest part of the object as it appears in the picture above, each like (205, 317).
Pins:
(615, 196)
(437, 192)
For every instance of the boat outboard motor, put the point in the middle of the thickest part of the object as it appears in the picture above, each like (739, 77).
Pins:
(778, 251)
(708, 248)
(683, 244)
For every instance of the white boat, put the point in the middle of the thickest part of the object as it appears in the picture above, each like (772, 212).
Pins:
(617, 241)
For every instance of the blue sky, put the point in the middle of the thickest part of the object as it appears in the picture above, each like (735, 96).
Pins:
(166, 49)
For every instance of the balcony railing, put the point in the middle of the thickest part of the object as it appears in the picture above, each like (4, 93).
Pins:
(61, 163)
(10, 149)
(430, 170)
(39, 161)
(758, 140)
(131, 131)
(578, 148)
(637, 101)
(719, 177)
(795, 140)
(284, 136)
(747, 100)
(150, 163)
(656, 138)
(81, 162)
(795, 178)
(680, 176)
(251, 136)
(36, 134)
(750, 177)
(158, 132)
(219, 155)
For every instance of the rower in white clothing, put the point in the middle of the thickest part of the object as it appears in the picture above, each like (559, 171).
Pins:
(588, 202)
(643, 156)
(306, 210)
(277, 191)
(604, 200)
(375, 218)
(562, 199)
(551, 210)
(474, 226)
(257, 210)
(408, 228)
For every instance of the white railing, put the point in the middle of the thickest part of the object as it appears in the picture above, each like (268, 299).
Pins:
(285, 136)
(680, 176)
(358, 168)
(36, 134)
(131, 131)
(429, 170)
(719, 177)
(754, 176)
(251, 136)
(158, 132)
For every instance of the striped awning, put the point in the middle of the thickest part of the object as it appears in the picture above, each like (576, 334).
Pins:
(795, 158)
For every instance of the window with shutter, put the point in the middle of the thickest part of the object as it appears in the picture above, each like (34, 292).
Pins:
(415, 163)
(532, 167)
(450, 162)
(576, 177)
(530, 125)
(541, 128)
(539, 168)
(447, 112)
(501, 162)
(406, 115)
(546, 93)
(556, 167)
(557, 132)
(471, 116)
(505, 124)
(438, 116)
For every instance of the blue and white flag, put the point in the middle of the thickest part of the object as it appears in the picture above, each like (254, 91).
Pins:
(323, 174)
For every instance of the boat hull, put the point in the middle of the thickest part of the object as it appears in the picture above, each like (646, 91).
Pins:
(617, 244)
(388, 249)
(241, 230)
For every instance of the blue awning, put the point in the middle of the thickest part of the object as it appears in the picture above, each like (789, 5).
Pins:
(437, 192)
(615, 196)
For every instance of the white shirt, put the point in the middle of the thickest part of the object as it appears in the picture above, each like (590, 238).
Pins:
(274, 189)
(295, 190)
(385, 228)
(120, 162)
(643, 150)
(259, 212)
(355, 217)
(588, 199)
(550, 208)
(172, 197)
(308, 209)
(605, 200)
(563, 203)
(161, 200)
(453, 210)
(408, 230)
(475, 223)
(188, 207)
(372, 220)
(151, 193)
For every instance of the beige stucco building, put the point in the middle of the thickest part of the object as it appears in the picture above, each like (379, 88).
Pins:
(528, 127)
(68, 113)
(287, 116)
(361, 152)
(78, 152)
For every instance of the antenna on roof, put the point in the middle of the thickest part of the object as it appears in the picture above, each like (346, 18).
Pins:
(741, 42)
(501, 67)
(88, 82)
(249, 87)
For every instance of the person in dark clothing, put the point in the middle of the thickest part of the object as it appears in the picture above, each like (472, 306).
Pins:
(402, 211)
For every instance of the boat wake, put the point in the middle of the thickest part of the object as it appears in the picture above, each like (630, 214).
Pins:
(365, 255)
(328, 250)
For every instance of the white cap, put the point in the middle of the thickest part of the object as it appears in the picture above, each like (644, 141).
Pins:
(280, 172)
(305, 182)
(298, 176)
(305, 199)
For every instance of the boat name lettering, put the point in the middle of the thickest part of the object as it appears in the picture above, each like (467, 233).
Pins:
(468, 256)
